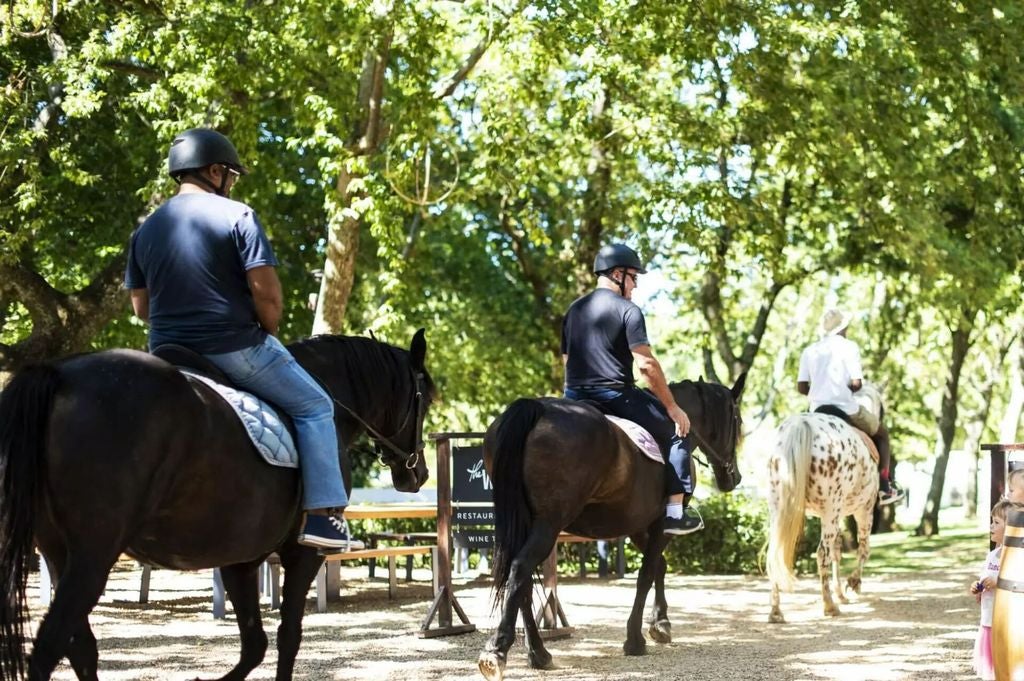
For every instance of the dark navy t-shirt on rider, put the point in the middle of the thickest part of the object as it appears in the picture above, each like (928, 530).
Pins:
(599, 332)
(192, 254)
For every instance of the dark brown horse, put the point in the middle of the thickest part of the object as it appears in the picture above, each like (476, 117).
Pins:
(117, 452)
(561, 465)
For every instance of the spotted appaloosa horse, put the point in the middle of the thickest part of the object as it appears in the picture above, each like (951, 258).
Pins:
(823, 466)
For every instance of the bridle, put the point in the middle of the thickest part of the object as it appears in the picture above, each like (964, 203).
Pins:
(713, 453)
(412, 458)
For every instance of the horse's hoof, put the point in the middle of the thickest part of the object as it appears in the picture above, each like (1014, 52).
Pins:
(853, 583)
(776, 618)
(832, 612)
(635, 647)
(492, 666)
(661, 631)
(541, 661)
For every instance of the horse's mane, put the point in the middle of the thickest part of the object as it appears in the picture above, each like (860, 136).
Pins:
(367, 363)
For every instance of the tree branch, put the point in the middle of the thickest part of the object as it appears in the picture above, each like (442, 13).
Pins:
(446, 87)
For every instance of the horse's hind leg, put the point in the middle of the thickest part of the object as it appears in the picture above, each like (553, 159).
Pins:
(242, 586)
(82, 652)
(539, 656)
(837, 561)
(865, 518)
(65, 628)
(829, 532)
(538, 545)
(776, 616)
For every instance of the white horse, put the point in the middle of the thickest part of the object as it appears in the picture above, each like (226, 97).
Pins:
(826, 467)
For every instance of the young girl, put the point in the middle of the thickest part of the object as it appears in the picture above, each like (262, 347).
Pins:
(984, 590)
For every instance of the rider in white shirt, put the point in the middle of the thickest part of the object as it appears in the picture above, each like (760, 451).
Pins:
(830, 373)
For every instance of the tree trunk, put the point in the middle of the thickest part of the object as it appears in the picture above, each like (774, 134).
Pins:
(340, 263)
(961, 338)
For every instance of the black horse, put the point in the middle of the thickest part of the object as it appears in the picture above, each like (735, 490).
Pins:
(561, 465)
(117, 452)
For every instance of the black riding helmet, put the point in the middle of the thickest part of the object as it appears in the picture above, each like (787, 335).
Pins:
(617, 255)
(198, 148)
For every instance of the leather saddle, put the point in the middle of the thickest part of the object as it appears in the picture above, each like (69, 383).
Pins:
(184, 358)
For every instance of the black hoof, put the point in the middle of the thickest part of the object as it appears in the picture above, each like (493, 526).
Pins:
(541, 661)
(635, 647)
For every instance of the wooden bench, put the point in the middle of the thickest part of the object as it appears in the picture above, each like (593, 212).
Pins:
(270, 580)
(406, 539)
(391, 553)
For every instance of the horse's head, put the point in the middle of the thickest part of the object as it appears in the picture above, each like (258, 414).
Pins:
(715, 424)
(379, 389)
(402, 452)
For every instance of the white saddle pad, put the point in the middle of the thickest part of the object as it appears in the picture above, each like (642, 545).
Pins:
(265, 428)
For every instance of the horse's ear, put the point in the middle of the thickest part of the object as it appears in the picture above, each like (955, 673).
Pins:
(700, 379)
(418, 349)
(737, 389)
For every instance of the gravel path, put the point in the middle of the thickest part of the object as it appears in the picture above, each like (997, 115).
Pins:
(906, 626)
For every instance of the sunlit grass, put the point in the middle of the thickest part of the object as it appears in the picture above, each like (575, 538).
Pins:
(901, 552)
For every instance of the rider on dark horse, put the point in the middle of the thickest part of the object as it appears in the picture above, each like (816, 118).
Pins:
(830, 373)
(201, 272)
(603, 333)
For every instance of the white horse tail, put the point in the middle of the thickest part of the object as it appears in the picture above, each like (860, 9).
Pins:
(793, 460)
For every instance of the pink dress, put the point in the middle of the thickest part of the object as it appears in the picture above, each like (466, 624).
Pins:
(983, 645)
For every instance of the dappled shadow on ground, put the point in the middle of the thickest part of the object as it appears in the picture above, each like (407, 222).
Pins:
(906, 626)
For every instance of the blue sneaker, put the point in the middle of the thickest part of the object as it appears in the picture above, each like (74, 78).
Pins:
(328, 532)
(690, 522)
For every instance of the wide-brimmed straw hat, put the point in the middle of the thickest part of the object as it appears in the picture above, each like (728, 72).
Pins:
(834, 321)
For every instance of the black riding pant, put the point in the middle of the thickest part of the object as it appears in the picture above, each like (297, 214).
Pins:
(645, 409)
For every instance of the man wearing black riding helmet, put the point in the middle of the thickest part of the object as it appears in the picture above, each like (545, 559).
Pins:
(202, 273)
(603, 334)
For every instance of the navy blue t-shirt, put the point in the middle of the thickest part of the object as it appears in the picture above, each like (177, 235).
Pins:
(191, 255)
(599, 332)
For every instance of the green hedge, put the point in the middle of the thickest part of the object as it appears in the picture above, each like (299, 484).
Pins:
(734, 539)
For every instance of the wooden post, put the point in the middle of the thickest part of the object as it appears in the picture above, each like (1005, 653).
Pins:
(551, 619)
(444, 527)
(444, 598)
(998, 470)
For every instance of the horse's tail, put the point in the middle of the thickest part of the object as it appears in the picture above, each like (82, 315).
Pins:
(24, 413)
(513, 517)
(787, 522)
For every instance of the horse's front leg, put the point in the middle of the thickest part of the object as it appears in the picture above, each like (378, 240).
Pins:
(659, 627)
(635, 643)
(829, 529)
(865, 518)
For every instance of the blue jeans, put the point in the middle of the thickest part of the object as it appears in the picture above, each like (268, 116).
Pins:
(643, 408)
(270, 372)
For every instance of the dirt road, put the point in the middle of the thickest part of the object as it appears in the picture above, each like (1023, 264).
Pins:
(916, 625)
